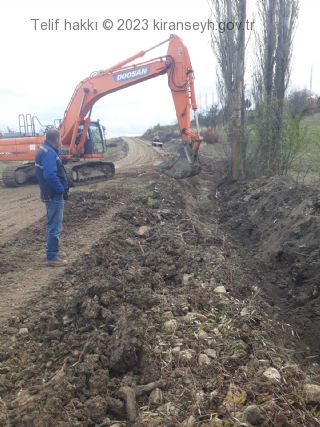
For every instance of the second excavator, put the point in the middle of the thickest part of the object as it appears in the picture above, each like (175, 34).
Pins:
(82, 139)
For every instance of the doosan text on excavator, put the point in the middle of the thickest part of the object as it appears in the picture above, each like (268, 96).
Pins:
(83, 139)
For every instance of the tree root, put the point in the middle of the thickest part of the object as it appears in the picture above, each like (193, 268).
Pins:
(24, 399)
(129, 395)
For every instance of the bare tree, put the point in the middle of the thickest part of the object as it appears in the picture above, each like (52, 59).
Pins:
(229, 48)
(301, 102)
(274, 45)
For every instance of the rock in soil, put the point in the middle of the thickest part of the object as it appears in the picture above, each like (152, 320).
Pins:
(312, 393)
(253, 415)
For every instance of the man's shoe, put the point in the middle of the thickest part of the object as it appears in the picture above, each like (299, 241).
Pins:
(57, 262)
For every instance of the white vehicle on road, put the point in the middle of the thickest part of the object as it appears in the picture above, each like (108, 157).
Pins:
(157, 142)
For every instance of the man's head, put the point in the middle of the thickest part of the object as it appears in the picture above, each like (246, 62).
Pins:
(53, 137)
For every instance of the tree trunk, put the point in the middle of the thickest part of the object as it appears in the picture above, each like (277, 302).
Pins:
(275, 46)
(230, 50)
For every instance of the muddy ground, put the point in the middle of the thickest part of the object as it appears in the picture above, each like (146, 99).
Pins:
(185, 303)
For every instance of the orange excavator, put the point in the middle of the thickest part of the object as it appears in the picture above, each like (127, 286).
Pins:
(82, 139)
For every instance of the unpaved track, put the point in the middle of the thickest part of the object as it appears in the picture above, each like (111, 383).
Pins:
(141, 155)
(21, 207)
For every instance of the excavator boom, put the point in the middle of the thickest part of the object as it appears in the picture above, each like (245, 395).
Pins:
(176, 64)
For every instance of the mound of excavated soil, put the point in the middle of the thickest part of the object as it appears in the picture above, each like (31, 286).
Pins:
(278, 222)
(144, 329)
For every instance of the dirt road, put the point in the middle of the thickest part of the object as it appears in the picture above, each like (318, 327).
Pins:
(21, 207)
(142, 156)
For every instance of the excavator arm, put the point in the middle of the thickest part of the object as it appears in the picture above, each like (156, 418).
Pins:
(77, 118)
(176, 64)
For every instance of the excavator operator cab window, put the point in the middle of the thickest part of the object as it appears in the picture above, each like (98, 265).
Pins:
(94, 143)
(96, 140)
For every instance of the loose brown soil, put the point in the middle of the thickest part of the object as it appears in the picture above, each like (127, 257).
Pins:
(166, 315)
(278, 222)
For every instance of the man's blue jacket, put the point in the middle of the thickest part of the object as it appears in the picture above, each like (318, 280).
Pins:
(50, 172)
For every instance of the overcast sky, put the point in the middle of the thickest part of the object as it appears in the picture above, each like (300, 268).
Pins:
(40, 68)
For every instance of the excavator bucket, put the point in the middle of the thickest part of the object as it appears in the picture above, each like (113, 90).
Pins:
(184, 165)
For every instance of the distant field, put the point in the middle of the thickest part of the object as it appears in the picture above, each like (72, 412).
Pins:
(312, 122)
(306, 165)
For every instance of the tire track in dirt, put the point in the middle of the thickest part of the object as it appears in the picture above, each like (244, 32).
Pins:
(28, 276)
(22, 229)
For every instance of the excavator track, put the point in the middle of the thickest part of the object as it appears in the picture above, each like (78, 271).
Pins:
(89, 172)
(79, 173)
(17, 175)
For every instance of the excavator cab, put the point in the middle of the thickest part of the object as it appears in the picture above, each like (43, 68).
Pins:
(95, 141)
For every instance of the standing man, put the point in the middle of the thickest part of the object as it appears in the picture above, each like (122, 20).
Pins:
(54, 189)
